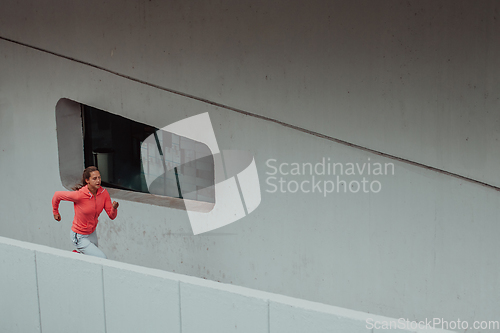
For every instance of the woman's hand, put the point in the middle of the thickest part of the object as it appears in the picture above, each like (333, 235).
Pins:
(57, 217)
(115, 205)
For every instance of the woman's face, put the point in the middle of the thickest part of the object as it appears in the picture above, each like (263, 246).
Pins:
(95, 180)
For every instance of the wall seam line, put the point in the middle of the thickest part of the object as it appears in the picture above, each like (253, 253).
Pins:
(250, 114)
(268, 316)
(104, 300)
(38, 293)
(180, 309)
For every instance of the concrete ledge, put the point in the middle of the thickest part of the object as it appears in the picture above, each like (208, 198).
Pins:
(70, 294)
(18, 289)
(140, 302)
(50, 290)
(206, 309)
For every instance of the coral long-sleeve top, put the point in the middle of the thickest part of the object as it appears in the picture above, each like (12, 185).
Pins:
(87, 208)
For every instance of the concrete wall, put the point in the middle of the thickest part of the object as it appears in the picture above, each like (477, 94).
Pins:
(418, 80)
(48, 290)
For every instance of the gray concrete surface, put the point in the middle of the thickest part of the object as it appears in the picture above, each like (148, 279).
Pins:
(418, 80)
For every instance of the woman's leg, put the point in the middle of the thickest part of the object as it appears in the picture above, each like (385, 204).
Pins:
(87, 244)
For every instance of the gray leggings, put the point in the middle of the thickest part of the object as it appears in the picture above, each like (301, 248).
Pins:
(87, 244)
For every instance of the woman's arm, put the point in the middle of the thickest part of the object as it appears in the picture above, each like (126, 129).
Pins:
(111, 208)
(62, 195)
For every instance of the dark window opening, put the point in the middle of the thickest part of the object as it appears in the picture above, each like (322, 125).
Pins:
(136, 157)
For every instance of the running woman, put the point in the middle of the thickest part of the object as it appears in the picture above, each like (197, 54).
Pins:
(89, 200)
